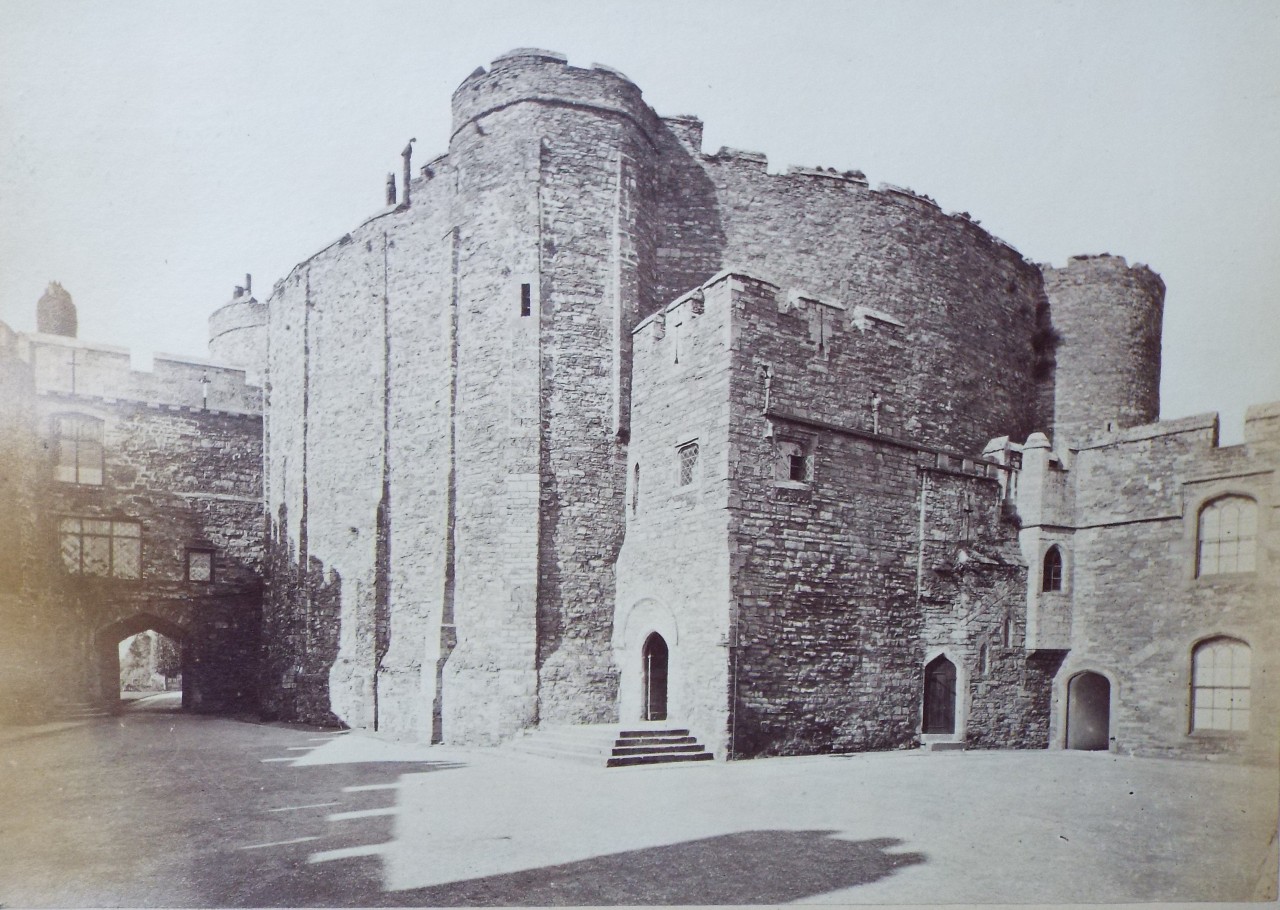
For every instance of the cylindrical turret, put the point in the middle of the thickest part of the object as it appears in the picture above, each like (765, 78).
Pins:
(238, 334)
(1106, 317)
(55, 313)
(555, 257)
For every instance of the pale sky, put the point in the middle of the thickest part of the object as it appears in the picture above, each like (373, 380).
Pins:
(154, 152)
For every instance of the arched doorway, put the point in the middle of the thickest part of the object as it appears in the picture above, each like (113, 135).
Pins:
(150, 666)
(1088, 712)
(654, 659)
(939, 696)
(110, 667)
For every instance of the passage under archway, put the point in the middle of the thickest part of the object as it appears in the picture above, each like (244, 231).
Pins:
(138, 664)
(939, 696)
(654, 658)
(150, 663)
(1088, 712)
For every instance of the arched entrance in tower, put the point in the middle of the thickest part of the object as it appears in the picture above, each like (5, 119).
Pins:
(939, 696)
(654, 659)
(1088, 712)
(142, 654)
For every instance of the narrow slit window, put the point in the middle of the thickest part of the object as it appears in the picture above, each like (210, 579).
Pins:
(526, 300)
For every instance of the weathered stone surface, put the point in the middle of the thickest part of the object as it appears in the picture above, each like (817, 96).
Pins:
(181, 457)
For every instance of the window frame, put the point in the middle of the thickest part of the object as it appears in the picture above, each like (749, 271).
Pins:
(77, 442)
(115, 542)
(206, 551)
(792, 447)
(1209, 506)
(1232, 709)
(1053, 570)
(681, 448)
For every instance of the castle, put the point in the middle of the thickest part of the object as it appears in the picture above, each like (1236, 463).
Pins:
(589, 426)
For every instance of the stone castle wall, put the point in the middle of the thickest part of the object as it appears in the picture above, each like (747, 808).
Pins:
(452, 520)
(188, 474)
(819, 617)
(1138, 608)
(674, 568)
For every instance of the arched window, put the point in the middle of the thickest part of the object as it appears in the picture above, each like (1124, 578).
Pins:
(1226, 536)
(79, 444)
(1051, 578)
(1220, 685)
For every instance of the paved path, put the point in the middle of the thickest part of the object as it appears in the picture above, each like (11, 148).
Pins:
(154, 808)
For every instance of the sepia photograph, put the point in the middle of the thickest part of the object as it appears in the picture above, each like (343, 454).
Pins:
(612, 453)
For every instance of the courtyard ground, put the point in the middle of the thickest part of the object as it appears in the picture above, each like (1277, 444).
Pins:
(158, 808)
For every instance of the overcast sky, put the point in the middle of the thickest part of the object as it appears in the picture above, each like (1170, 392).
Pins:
(154, 152)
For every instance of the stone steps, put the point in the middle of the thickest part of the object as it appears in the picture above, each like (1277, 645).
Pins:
(612, 745)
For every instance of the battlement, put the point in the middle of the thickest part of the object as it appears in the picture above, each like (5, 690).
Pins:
(69, 366)
(1103, 267)
(539, 76)
(825, 317)
(1261, 425)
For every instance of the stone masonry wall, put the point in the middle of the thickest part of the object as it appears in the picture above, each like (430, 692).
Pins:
(1106, 317)
(1138, 607)
(191, 478)
(837, 597)
(673, 570)
(970, 302)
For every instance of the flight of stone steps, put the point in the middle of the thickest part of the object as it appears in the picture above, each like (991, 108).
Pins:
(614, 745)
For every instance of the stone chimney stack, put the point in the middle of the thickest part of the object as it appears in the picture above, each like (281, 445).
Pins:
(55, 312)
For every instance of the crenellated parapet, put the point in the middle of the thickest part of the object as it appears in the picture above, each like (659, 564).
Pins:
(68, 367)
(534, 76)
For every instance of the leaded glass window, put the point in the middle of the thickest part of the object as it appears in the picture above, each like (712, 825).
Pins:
(100, 547)
(688, 462)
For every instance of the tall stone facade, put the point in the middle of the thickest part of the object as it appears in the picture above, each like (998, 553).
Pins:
(480, 403)
(594, 426)
(131, 500)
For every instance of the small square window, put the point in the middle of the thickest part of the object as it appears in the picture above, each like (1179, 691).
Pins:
(200, 566)
(793, 463)
(688, 460)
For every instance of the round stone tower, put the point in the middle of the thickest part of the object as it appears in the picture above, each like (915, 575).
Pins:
(1106, 316)
(554, 262)
(55, 312)
(238, 333)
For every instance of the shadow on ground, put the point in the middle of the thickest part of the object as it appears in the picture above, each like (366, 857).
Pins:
(264, 861)
(748, 867)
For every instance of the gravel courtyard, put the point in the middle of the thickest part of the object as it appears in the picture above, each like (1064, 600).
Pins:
(157, 808)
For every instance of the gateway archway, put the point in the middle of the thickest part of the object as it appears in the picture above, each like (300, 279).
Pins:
(109, 640)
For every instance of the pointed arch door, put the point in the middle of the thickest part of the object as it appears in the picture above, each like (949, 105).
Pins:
(939, 696)
(654, 658)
